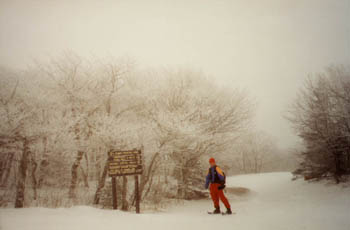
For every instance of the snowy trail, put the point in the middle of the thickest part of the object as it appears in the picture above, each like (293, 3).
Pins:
(274, 202)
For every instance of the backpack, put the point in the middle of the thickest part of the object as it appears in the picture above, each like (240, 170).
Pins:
(217, 177)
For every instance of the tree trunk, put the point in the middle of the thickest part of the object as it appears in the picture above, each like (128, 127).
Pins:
(86, 173)
(3, 162)
(85, 177)
(44, 163)
(337, 168)
(98, 168)
(7, 170)
(34, 180)
(101, 184)
(145, 177)
(74, 180)
(348, 163)
(150, 183)
(166, 172)
(22, 174)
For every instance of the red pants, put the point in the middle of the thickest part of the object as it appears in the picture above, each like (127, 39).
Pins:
(217, 194)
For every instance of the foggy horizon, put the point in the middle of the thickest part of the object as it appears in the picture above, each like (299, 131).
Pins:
(265, 47)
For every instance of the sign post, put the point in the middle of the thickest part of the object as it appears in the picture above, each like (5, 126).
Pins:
(114, 192)
(137, 195)
(125, 163)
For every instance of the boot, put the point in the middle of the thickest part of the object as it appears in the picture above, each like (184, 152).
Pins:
(228, 211)
(217, 210)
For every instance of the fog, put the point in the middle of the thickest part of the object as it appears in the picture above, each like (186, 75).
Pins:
(266, 47)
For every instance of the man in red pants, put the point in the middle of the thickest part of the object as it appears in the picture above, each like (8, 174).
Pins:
(216, 179)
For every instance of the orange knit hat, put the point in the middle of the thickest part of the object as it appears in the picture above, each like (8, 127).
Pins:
(211, 160)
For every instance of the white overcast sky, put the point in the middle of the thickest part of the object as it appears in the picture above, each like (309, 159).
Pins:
(264, 46)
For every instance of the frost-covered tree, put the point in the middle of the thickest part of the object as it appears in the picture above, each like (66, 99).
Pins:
(252, 152)
(321, 117)
(60, 118)
(20, 130)
(193, 119)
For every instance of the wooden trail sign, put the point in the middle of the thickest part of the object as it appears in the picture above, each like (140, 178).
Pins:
(124, 163)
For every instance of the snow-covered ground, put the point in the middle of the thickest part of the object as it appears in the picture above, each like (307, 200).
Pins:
(273, 202)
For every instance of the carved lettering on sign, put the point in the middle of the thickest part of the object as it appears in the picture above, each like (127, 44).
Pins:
(122, 163)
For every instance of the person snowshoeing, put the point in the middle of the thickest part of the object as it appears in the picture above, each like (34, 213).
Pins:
(216, 179)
